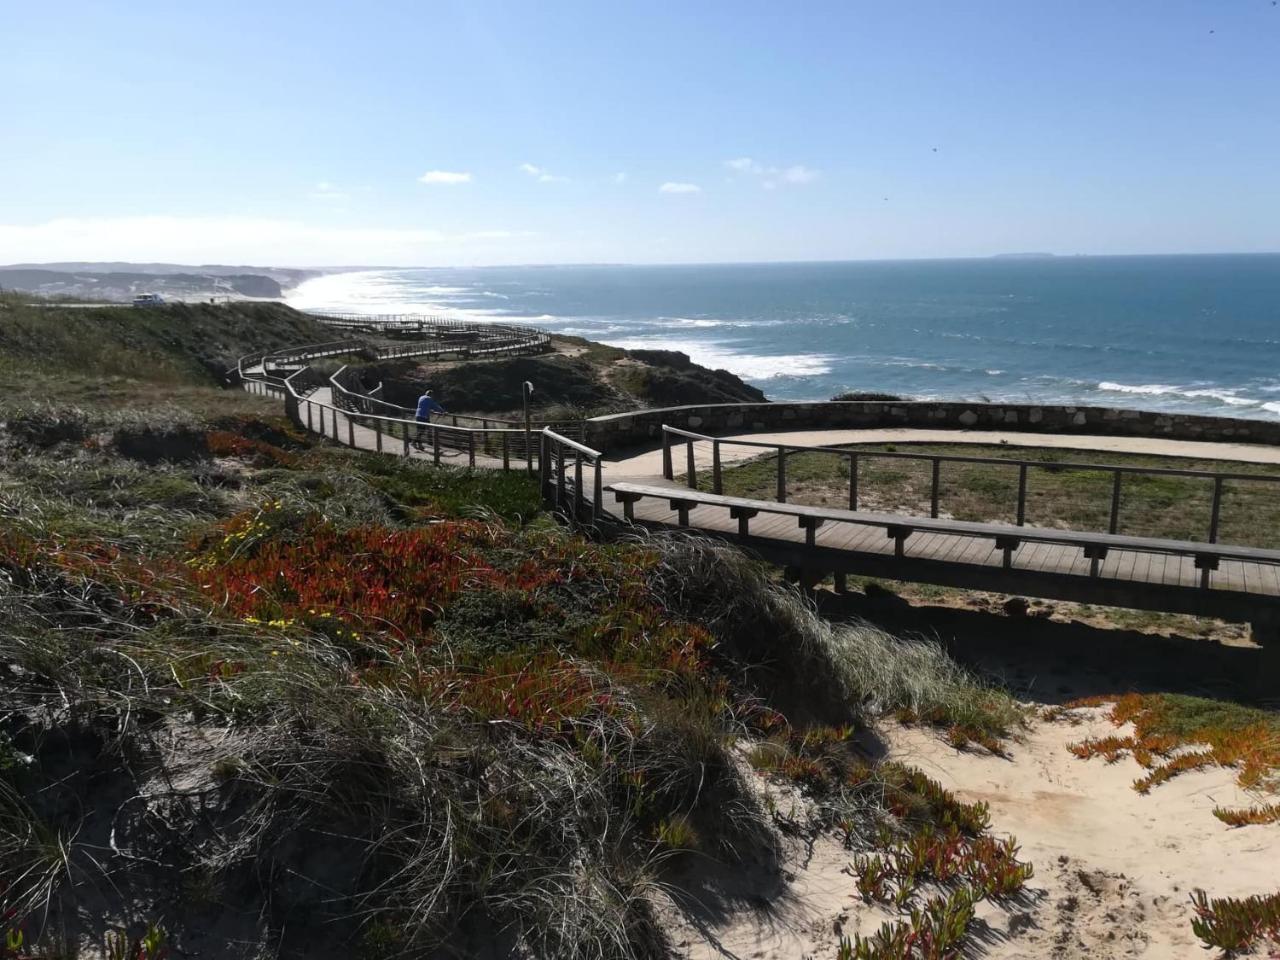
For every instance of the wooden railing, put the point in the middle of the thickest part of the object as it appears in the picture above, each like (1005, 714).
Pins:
(505, 448)
(364, 422)
(364, 402)
(566, 490)
(673, 436)
(1007, 538)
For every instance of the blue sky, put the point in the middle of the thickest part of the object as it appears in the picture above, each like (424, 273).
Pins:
(484, 132)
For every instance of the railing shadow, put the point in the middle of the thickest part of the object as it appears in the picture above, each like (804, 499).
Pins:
(1053, 662)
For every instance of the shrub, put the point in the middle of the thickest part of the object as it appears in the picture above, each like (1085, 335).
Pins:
(1235, 925)
(865, 395)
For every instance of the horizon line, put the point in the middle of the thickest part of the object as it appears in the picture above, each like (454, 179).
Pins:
(356, 268)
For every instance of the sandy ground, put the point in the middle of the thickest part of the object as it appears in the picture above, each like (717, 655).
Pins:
(649, 463)
(1114, 869)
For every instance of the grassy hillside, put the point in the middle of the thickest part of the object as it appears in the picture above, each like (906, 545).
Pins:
(261, 696)
(178, 344)
(580, 378)
(295, 701)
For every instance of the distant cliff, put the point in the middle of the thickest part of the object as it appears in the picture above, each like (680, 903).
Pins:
(124, 285)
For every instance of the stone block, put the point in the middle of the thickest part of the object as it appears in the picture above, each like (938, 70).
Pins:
(1079, 419)
(968, 418)
(694, 423)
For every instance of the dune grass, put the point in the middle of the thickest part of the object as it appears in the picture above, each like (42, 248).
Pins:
(307, 702)
(396, 703)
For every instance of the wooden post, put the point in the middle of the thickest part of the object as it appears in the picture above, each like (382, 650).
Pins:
(716, 485)
(1115, 502)
(578, 496)
(810, 526)
(841, 582)
(406, 441)
(1215, 510)
(560, 477)
(1205, 564)
(435, 443)
(322, 433)
(544, 473)
(1022, 495)
(351, 432)
(309, 426)
(377, 433)
(782, 475)
(853, 481)
(506, 451)
(597, 501)
(471, 448)
(691, 471)
(667, 472)
(933, 496)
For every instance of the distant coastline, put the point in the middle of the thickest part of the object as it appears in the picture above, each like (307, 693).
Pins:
(1184, 333)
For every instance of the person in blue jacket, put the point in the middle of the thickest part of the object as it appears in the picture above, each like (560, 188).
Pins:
(427, 405)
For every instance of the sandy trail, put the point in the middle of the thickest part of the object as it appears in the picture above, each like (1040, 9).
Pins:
(1114, 869)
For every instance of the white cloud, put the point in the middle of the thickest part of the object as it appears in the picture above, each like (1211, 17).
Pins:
(449, 177)
(672, 187)
(771, 176)
(328, 191)
(541, 174)
(799, 174)
(620, 177)
(744, 165)
(233, 239)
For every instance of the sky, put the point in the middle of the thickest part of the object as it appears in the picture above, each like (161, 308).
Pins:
(481, 132)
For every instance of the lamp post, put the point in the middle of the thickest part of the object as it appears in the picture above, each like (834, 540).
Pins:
(528, 428)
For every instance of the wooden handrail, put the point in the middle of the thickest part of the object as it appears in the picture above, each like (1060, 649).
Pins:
(969, 528)
(961, 458)
(784, 450)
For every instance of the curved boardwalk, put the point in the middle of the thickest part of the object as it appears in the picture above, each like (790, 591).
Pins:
(1235, 583)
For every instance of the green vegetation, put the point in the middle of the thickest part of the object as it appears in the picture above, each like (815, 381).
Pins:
(302, 701)
(1166, 725)
(1236, 925)
(1173, 507)
(580, 380)
(178, 344)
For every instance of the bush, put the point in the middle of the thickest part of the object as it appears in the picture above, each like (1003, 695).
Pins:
(866, 395)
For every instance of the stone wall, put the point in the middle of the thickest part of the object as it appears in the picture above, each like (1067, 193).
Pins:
(644, 428)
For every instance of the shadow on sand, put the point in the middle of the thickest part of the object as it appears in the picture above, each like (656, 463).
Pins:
(1053, 662)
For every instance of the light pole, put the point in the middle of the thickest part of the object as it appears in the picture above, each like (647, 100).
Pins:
(528, 428)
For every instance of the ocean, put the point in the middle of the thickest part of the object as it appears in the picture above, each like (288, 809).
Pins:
(1196, 334)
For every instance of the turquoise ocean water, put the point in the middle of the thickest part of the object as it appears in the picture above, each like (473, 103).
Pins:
(1198, 334)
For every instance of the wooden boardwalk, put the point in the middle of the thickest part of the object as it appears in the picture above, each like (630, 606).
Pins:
(1238, 584)
(1207, 579)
